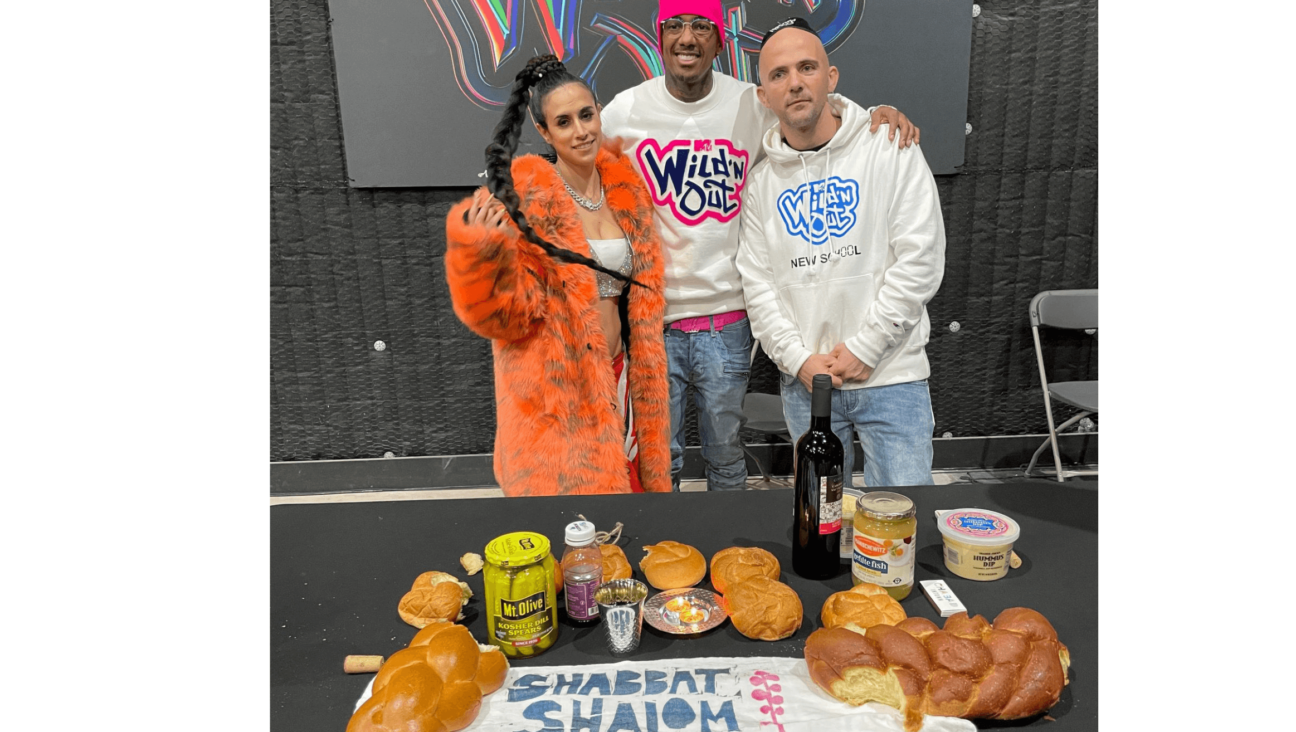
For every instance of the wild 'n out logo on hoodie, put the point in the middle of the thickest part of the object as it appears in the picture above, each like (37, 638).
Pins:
(696, 179)
(829, 211)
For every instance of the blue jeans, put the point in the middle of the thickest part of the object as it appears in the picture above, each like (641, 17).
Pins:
(894, 424)
(717, 364)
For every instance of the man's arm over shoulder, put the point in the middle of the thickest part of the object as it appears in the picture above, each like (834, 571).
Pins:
(917, 238)
(885, 114)
(776, 332)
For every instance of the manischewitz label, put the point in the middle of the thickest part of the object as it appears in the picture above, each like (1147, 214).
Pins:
(868, 562)
(527, 606)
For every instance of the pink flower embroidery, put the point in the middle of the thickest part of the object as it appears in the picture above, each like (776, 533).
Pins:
(768, 691)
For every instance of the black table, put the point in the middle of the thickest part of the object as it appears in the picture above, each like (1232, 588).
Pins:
(339, 570)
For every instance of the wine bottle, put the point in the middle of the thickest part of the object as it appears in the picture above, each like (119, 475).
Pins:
(816, 530)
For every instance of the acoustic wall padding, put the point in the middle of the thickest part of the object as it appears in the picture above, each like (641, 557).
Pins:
(353, 266)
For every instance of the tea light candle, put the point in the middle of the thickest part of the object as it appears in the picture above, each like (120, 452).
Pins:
(691, 615)
(678, 605)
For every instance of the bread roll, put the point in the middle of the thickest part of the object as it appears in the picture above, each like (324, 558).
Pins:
(865, 605)
(436, 597)
(437, 683)
(764, 609)
(1012, 669)
(738, 563)
(671, 565)
(615, 564)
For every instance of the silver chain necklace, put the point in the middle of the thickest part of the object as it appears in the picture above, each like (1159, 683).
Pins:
(582, 201)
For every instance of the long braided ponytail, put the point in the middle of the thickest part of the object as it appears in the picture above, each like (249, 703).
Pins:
(542, 75)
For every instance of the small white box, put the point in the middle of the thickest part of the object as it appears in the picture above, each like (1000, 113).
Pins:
(942, 597)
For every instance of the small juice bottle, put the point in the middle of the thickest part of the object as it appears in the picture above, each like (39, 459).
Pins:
(582, 570)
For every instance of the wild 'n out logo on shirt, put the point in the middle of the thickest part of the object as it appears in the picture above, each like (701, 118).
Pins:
(830, 209)
(696, 179)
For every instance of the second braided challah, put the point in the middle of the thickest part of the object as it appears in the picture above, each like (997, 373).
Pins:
(1012, 669)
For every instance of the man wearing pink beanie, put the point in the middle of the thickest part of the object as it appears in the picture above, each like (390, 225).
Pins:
(694, 134)
(712, 10)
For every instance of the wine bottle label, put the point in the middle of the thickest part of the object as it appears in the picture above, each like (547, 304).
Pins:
(830, 511)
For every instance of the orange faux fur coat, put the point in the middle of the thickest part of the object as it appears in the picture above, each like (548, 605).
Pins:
(557, 426)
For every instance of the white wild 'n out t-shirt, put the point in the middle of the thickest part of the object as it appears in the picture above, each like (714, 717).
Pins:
(695, 157)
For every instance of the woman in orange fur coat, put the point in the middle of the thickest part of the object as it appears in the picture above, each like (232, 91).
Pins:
(573, 306)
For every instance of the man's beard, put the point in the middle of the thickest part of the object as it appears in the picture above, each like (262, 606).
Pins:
(805, 120)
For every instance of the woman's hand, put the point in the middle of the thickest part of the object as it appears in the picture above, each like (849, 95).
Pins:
(486, 210)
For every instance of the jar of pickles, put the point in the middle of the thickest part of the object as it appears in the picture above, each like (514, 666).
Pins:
(521, 599)
(885, 542)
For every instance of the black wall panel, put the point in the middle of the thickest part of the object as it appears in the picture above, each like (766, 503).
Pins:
(353, 266)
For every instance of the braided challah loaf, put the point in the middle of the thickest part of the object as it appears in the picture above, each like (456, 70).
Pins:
(434, 685)
(971, 669)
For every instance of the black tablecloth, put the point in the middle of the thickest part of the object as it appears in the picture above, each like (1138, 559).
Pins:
(339, 570)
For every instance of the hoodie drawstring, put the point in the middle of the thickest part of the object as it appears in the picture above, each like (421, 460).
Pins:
(827, 172)
(805, 171)
(809, 214)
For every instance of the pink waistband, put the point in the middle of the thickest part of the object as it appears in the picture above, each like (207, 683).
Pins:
(708, 322)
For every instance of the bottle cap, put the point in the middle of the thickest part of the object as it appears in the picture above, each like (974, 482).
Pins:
(821, 397)
(580, 533)
(517, 549)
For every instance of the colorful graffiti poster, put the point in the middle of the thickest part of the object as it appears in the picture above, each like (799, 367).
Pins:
(421, 83)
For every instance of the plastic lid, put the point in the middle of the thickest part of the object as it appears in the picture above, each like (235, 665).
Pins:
(979, 527)
(885, 506)
(517, 548)
(580, 533)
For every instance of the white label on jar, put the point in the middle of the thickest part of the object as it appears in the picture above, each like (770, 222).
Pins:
(848, 525)
(886, 562)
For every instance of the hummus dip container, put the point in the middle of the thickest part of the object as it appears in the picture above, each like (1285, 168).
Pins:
(977, 542)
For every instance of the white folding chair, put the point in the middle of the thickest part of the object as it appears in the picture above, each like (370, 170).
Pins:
(1072, 310)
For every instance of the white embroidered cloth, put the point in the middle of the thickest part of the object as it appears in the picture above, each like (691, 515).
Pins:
(705, 694)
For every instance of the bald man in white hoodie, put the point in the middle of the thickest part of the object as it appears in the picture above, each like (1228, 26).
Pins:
(841, 247)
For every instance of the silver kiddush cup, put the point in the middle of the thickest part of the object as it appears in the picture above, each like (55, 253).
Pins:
(621, 605)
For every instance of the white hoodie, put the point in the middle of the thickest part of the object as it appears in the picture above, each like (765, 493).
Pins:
(855, 261)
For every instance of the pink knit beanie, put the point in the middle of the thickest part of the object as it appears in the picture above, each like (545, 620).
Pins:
(712, 10)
